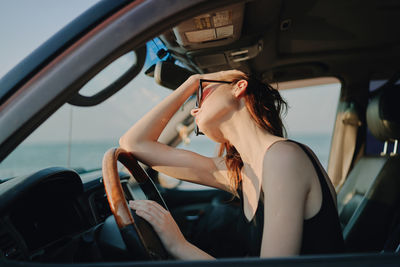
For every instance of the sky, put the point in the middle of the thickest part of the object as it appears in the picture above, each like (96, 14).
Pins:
(25, 24)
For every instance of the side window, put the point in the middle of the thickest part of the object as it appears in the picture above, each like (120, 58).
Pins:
(77, 137)
(311, 113)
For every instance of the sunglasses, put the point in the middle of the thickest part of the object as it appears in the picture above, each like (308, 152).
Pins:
(199, 96)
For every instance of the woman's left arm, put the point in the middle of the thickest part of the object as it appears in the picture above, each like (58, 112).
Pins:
(286, 185)
(168, 231)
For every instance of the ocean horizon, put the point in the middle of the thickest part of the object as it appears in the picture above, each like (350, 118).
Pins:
(88, 155)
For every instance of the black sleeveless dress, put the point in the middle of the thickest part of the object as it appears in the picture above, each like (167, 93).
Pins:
(322, 234)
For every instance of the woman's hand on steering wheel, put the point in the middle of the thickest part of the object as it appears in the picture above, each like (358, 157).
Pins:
(162, 222)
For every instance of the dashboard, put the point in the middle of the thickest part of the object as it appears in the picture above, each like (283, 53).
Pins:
(49, 211)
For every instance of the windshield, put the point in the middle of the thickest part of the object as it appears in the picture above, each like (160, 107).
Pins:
(26, 24)
(77, 137)
(74, 137)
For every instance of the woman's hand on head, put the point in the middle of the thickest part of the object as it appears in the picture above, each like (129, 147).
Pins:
(226, 75)
(162, 222)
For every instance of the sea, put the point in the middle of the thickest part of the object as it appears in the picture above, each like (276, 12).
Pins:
(88, 155)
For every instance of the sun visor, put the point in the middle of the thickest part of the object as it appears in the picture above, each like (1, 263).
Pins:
(218, 27)
(231, 57)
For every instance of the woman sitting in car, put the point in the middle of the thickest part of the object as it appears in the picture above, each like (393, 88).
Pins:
(280, 182)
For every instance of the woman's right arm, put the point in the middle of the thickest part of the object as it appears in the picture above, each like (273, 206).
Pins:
(141, 140)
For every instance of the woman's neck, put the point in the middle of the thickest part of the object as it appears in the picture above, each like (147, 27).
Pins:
(247, 137)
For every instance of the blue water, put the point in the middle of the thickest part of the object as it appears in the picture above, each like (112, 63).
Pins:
(28, 158)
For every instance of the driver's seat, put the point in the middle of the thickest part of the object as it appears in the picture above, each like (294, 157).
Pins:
(370, 197)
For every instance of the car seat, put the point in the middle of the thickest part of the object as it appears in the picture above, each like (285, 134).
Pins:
(370, 197)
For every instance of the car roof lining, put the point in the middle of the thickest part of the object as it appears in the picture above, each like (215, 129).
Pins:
(347, 38)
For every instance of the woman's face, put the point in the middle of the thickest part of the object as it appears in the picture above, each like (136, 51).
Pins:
(216, 106)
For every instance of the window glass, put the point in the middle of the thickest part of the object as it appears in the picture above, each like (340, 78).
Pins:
(78, 137)
(311, 116)
(375, 84)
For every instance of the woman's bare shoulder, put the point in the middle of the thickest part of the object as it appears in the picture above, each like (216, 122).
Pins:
(284, 152)
(287, 160)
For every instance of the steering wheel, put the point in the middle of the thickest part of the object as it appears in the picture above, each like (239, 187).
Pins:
(138, 235)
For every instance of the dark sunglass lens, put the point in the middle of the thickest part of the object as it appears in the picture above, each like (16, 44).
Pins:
(200, 93)
(198, 97)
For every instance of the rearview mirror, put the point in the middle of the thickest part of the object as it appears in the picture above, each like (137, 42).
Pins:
(169, 75)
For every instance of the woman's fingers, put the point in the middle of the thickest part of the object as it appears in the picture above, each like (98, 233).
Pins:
(226, 75)
(161, 220)
(159, 216)
(148, 217)
(147, 207)
(154, 205)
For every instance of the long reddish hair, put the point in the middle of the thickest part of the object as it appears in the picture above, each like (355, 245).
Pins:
(265, 106)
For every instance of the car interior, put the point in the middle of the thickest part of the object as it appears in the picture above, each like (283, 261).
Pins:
(62, 215)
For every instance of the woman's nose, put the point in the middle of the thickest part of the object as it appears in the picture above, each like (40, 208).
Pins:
(194, 112)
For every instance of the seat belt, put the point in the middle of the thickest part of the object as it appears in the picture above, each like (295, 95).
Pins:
(343, 144)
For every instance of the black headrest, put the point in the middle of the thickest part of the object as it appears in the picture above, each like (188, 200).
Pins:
(383, 114)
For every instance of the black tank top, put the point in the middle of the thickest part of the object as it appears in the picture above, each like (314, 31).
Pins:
(322, 234)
